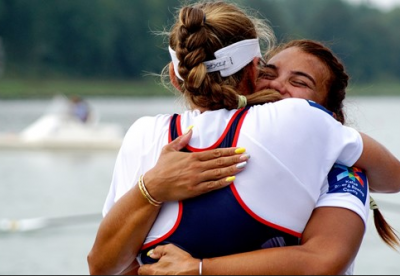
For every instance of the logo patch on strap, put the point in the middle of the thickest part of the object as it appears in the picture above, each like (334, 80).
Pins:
(348, 180)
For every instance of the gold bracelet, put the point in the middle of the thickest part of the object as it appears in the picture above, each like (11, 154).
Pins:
(146, 193)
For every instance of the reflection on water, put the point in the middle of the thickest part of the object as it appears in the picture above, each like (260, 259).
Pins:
(37, 184)
(51, 184)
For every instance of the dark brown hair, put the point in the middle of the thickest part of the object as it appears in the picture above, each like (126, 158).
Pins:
(385, 230)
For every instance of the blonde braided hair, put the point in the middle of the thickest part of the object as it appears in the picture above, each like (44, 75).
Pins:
(200, 31)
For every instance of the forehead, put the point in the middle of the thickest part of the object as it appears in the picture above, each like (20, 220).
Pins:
(294, 59)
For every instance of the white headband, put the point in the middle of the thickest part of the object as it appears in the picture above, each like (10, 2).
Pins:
(229, 60)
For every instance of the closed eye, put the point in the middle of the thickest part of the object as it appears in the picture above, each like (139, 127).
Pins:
(300, 84)
(268, 72)
(302, 74)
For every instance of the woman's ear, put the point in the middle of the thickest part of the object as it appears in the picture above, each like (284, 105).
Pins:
(249, 83)
(254, 69)
(173, 77)
(253, 75)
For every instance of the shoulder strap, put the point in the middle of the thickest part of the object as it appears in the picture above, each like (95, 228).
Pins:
(229, 137)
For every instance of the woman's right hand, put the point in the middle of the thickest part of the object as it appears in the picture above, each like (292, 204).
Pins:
(179, 175)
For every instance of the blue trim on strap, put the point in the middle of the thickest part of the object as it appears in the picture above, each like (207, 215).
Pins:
(314, 104)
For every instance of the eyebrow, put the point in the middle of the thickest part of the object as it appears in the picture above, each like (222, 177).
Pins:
(298, 73)
(271, 66)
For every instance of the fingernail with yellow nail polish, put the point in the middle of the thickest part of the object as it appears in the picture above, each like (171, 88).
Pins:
(230, 179)
(240, 150)
(189, 129)
(150, 253)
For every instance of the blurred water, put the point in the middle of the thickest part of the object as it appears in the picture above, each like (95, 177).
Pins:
(59, 183)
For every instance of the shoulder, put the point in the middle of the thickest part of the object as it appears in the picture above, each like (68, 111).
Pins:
(320, 107)
(294, 105)
(149, 121)
(296, 113)
(306, 106)
(150, 124)
(144, 130)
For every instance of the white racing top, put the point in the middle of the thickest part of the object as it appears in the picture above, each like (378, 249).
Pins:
(293, 146)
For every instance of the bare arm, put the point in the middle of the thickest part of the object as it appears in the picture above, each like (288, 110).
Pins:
(178, 176)
(330, 243)
(121, 234)
(381, 166)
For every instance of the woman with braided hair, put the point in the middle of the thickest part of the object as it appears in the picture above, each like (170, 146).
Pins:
(270, 203)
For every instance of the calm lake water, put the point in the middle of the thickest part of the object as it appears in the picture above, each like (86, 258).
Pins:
(54, 184)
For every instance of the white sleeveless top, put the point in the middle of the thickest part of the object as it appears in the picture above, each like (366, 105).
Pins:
(293, 146)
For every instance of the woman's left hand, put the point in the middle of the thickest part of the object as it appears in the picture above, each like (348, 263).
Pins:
(180, 175)
(171, 261)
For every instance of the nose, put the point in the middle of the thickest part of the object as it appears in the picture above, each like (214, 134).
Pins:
(279, 86)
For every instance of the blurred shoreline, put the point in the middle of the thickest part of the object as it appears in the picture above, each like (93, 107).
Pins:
(14, 88)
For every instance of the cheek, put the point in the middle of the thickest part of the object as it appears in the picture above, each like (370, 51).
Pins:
(262, 84)
(302, 94)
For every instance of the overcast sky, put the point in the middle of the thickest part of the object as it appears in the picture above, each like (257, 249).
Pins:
(384, 4)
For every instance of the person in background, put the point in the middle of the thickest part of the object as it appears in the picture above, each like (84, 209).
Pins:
(80, 109)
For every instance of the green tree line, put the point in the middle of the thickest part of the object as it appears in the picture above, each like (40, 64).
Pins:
(116, 38)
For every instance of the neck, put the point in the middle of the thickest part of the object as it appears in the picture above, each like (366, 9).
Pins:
(195, 107)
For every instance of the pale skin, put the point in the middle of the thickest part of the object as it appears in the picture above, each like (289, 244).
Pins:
(327, 228)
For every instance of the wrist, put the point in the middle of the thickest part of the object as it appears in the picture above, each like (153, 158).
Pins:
(193, 267)
(153, 185)
(205, 267)
(145, 192)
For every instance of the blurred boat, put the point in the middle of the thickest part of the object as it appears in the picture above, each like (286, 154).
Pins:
(59, 128)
